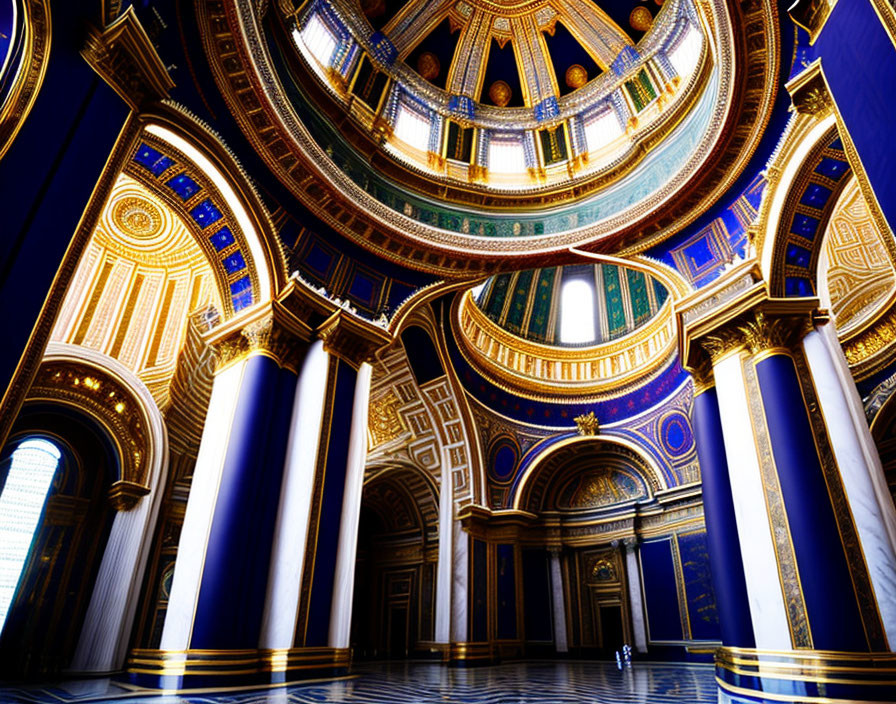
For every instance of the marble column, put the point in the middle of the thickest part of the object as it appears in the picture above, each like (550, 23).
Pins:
(341, 611)
(799, 478)
(860, 468)
(558, 600)
(446, 550)
(220, 577)
(635, 594)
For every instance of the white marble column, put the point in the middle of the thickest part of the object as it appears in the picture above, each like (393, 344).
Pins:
(635, 595)
(460, 581)
(767, 610)
(446, 543)
(291, 530)
(103, 642)
(863, 479)
(558, 600)
(207, 474)
(346, 553)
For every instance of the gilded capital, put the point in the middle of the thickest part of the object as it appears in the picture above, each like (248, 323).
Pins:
(702, 374)
(123, 55)
(762, 331)
(352, 339)
(809, 92)
(722, 342)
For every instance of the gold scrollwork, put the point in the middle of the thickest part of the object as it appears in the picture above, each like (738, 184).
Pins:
(587, 424)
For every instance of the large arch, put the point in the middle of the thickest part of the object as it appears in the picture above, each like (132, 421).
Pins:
(116, 401)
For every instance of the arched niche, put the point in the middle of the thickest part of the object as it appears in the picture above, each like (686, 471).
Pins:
(585, 475)
(98, 409)
(396, 574)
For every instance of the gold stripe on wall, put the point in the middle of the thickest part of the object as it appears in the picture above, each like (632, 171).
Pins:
(126, 317)
(160, 326)
(87, 316)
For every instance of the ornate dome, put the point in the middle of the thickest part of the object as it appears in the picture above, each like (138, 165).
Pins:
(467, 129)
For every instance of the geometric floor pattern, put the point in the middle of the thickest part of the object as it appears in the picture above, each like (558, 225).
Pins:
(538, 682)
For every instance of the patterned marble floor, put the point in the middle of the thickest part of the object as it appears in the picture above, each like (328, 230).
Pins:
(428, 683)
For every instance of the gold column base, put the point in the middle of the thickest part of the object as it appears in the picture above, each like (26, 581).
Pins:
(807, 675)
(186, 669)
(466, 654)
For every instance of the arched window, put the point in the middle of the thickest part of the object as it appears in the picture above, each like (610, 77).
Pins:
(33, 465)
(577, 312)
(319, 40)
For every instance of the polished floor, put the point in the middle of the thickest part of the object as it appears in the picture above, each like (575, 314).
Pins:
(426, 683)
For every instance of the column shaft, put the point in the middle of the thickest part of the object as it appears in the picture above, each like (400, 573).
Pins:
(635, 597)
(725, 557)
(561, 641)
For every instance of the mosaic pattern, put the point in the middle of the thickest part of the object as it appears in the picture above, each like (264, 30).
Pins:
(418, 683)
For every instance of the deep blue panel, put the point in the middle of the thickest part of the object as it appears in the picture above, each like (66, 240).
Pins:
(184, 186)
(362, 288)
(798, 256)
(804, 226)
(240, 286)
(832, 168)
(815, 196)
(698, 586)
(503, 462)
(660, 591)
(506, 592)
(228, 612)
(318, 259)
(152, 159)
(244, 300)
(700, 253)
(222, 239)
(479, 593)
(205, 213)
(235, 262)
(798, 286)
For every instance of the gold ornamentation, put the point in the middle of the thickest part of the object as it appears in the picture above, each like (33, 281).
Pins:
(764, 333)
(385, 423)
(811, 15)
(587, 424)
(809, 92)
(702, 375)
(104, 398)
(352, 339)
(124, 495)
(137, 217)
(721, 343)
(500, 93)
(123, 55)
(640, 19)
(33, 66)
(576, 76)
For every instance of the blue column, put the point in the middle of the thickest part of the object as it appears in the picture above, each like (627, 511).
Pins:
(235, 572)
(835, 618)
(323, 539)
(721, 528)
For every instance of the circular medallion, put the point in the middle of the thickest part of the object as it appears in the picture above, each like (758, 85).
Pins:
(500, 93)
(137, 217)
(428, 65)
(576, 76)
(641, 19)
(675, 434)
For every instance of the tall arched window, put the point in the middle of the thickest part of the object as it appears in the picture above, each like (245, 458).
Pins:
(33, 465)
(577, 312)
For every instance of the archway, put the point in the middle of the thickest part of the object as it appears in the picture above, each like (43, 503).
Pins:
(396, 574)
